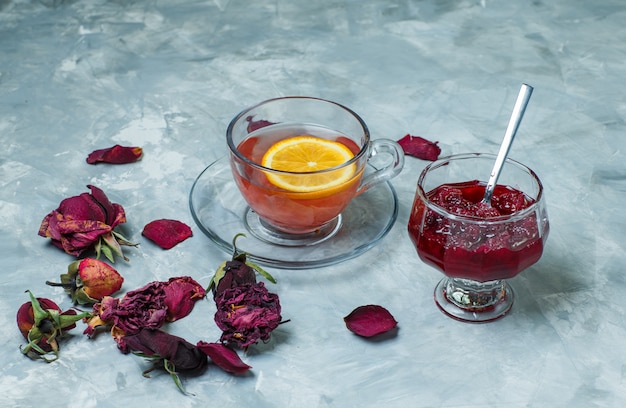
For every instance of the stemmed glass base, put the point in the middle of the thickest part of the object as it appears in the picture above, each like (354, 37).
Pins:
(474, 302)
(268, 233)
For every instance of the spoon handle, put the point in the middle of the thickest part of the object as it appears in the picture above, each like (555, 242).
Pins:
(516, 117)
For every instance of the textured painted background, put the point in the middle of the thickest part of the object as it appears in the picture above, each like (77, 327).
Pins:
(169, 76)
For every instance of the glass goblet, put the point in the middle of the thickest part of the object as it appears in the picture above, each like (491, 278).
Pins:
(477, 246)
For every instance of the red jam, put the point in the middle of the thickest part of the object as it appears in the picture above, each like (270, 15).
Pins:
(471, 247)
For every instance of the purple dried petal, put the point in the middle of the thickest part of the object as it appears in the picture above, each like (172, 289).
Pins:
(419, 147)
(166, 233)
(115, 155)
(370, 320)
(224, 357)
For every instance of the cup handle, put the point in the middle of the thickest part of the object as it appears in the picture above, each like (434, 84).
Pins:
(386, 172)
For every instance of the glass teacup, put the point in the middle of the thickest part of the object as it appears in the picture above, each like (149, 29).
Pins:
(285, 216)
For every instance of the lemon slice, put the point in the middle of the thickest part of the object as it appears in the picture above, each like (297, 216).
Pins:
(308, 155)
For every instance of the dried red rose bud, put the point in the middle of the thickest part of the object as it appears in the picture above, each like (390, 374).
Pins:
(224, 357)
(42, 322)
(181, 294)
(246, 314)
(237, 271)
(419, 147)
(170, 352)
(370, 320)
(166, 233)
(89, 280)
(154, 342)
(115, 155)
(257, 124)
(233, 273)
(86, 222)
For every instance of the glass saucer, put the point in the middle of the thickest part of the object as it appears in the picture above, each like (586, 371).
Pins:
(220, 211)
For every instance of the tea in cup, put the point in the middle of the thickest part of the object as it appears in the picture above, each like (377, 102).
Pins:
(299, 161)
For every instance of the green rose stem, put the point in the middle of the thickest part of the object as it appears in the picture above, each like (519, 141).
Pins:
(48, 323)
(168, 366)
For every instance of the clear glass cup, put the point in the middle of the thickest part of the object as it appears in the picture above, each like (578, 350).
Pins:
(475, 250)
(303, 218)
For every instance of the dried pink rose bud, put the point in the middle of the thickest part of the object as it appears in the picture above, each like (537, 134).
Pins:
(370, 320)
(115, 155)
(224, 357)
(419, 147)
(89, 280)
(166, 233)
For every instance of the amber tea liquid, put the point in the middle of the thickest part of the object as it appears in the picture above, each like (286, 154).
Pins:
(289, 211)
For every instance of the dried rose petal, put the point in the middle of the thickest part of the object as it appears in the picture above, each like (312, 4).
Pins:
(166, 233)
(181, 294)
(224, 357)
(370, 320)
(115, 155)
(419, 147)
(257, 124)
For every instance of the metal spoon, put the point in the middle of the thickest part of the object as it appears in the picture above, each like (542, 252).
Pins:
(516, 117)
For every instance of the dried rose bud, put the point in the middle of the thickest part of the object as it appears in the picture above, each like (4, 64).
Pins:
(246, 314)
(41, 321)
(419, 147)
(143, 307)
(89, 280)
(236, 272)
(154, 342)
(171, 352)
(257, 124)
(115, 155)
(233, 273)
(147, 307)
(166, 233)
(370, 320)
(224, 357)
(181, 294)
(86, 222)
